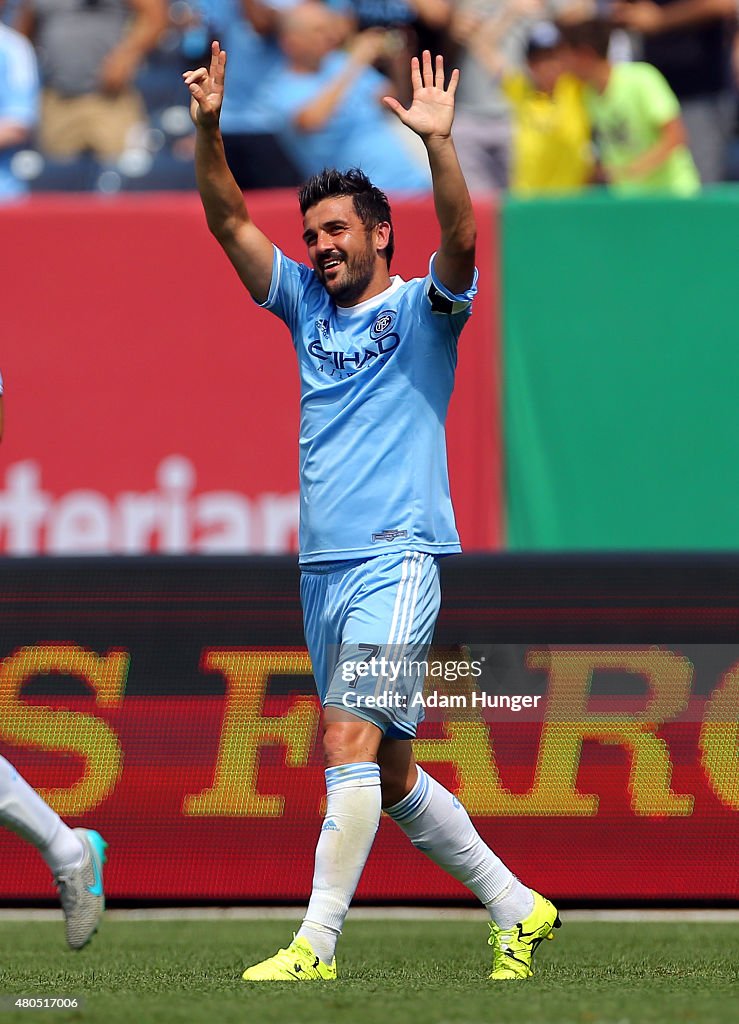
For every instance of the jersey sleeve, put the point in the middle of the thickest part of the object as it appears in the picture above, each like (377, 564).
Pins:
(287, 290)
(657, 100)
(444, 307)
(1, 383)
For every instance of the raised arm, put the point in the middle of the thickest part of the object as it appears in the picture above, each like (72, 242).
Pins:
(672, 134)
(651, 19)
(262, 18)
(148, 22)
(430, 116)
(483, 36)
(249, 250)
(433, 13)
(25, 20)
(364, 50)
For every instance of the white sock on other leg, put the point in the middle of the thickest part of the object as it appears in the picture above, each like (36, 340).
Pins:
(23, 811)
(437, 824)
(352, 817)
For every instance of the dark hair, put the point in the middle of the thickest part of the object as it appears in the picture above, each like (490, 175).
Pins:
(370, 203)
(594, 34)
(544, 40)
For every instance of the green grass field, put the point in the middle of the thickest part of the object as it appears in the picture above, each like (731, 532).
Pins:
(392, 972)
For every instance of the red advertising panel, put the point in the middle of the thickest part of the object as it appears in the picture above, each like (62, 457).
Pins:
(147, 708)
(152, 406)
(191, 813)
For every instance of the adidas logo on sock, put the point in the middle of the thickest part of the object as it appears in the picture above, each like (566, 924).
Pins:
(330, 826)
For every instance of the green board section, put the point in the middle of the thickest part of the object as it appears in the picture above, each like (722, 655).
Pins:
(621, 373)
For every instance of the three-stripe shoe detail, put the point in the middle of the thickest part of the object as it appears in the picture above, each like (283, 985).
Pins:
(513, 948)
(296, 963)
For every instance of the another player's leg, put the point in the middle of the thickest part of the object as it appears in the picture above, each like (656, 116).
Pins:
(74, 856)
(437, 824)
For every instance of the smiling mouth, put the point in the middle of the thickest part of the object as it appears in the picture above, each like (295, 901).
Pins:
(331, 264)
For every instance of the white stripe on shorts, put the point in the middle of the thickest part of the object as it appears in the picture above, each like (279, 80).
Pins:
(399, 597)
(406, 579)
(419, 576)
(402, 624)
(413, 575)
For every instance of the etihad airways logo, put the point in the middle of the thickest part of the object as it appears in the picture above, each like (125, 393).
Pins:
(339, 364)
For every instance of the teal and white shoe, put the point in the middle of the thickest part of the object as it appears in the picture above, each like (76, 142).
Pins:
(81, 890)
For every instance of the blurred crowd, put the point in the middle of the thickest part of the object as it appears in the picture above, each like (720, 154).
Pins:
(555, 96)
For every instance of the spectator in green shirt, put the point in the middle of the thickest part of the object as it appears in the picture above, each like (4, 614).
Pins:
(635, 116)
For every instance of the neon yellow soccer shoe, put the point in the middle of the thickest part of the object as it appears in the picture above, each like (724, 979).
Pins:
(296, 963)
(514, 947)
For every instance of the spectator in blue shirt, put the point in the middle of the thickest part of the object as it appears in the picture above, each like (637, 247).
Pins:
(330, 102)
(19, 103)
(417, 25)
(247, 30)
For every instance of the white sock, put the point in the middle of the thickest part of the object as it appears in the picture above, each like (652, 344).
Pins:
(352, 816)
(514, 904)
(438, 825)
(23, 811)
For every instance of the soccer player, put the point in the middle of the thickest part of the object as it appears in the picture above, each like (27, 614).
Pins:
(75, 856)
(376, 356)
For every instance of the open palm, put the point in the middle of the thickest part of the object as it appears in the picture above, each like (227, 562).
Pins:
(432, 110)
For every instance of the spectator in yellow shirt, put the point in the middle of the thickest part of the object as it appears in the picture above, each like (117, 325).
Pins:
(551, 150)
(551, 129)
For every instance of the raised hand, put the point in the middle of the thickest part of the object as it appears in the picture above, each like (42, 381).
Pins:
(642, 16)
(368, 46)
(464, 25)
(528, 8)
(432, 109)
(117, 71)
(206, 88)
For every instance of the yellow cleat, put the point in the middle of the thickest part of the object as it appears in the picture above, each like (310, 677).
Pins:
(514, 947)
(296, 963)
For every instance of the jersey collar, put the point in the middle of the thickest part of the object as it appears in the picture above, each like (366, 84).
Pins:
(376, 300)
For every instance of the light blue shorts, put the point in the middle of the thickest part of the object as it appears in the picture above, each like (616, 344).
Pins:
(357, 613)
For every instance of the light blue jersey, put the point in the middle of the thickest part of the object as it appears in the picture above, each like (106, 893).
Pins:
(375, 382)
(19, 99)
